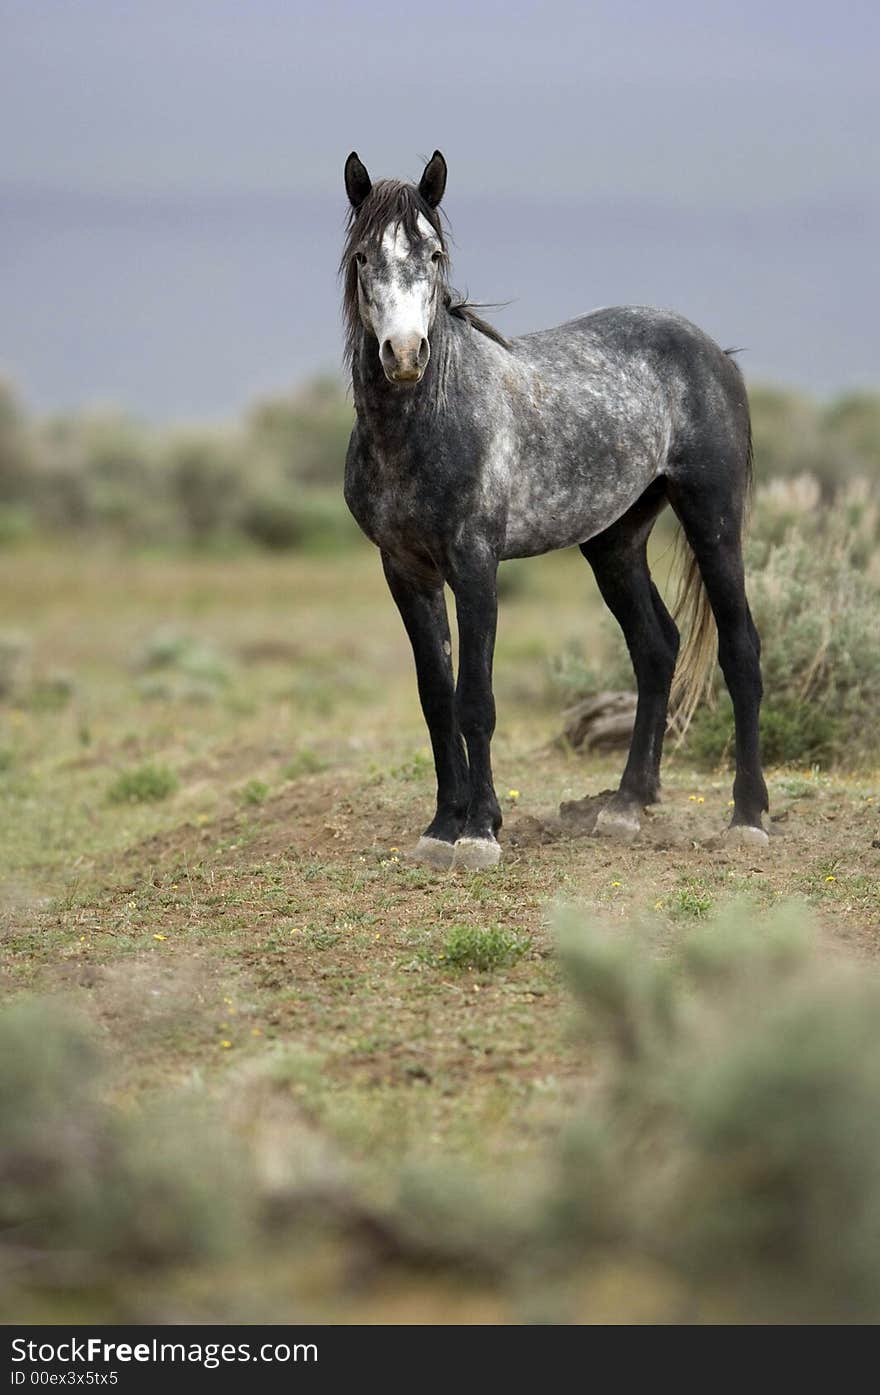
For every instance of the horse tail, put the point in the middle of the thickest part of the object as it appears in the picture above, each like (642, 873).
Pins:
(692, 612)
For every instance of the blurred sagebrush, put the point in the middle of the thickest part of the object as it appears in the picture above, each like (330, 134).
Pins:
(722, 1162)
(734, 1130)
(86, 1189)
(273, 480)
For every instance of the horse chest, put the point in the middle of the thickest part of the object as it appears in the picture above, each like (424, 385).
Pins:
(407, 517)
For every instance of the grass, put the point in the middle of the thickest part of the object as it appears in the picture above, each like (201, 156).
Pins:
(298, 905)
(469, 947)
(254, 792)
(145, 784)
(304, 762)
(691, 902)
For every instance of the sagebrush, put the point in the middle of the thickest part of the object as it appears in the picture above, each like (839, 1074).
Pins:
(813, 580)
(720, 1161)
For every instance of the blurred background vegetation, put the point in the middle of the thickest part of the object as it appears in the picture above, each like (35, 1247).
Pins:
(722, 1163)
(272, 481)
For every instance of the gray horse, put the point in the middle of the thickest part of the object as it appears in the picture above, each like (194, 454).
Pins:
(469, 449)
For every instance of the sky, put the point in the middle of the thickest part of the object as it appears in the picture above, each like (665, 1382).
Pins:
(171, 196)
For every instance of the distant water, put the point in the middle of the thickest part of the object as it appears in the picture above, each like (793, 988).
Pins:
(185, 308)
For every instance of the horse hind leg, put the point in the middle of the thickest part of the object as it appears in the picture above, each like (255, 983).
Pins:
(712, 521)
(620, 564)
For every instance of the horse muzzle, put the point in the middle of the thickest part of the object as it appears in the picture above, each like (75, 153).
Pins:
(405, 358)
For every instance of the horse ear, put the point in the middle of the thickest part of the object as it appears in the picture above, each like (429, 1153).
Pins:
(433, 182)
(357, 181)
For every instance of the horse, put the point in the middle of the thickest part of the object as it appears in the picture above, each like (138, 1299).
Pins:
(470, 448)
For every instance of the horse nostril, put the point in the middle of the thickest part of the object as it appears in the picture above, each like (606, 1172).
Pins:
(424, 352)
(387, 354)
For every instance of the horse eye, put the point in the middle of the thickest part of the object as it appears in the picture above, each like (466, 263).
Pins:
(360, 258)
(437, 256)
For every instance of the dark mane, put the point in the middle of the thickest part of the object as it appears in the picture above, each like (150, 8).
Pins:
(466, 310)
(393, 201)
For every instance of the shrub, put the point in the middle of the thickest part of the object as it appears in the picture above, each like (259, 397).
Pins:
(306, 434)
(721, 1164)
(853, 423)
(129, 1189)
(15, 447)
(272, 522)
(734, 1133)
(813, 581)
(786, 433)
(276, 479)
(794, 435)
(816, 603)
(284, 516)
(205, 479)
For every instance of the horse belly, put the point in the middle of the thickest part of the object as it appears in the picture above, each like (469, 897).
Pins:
(549, 514)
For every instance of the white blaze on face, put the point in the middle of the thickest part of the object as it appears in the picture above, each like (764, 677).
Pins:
(403, 292)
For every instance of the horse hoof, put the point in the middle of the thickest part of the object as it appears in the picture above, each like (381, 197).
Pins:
(617, 824)
(475, 854)
(744, 835)
(432, 852)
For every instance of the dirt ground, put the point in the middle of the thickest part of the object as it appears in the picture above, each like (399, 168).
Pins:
(264, 909)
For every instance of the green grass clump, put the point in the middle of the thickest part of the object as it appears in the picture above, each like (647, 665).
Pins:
(691, 902)
(255, 792)
(145, 784)
(417, 768)
(303, 762)
(469, 947)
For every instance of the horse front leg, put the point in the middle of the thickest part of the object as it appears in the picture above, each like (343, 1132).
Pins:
(423, 611)
(475, 585)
